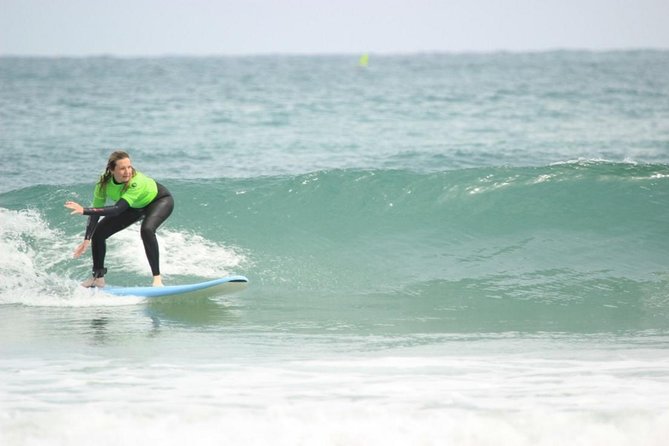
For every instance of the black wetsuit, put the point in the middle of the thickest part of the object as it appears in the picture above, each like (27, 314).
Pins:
(120, 216)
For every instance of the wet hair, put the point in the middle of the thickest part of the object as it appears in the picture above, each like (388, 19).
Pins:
(111, 165)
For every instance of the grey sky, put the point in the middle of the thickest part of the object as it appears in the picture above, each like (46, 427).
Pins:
(201, 27)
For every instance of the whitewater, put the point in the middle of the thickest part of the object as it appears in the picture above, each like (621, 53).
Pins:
(458, 249)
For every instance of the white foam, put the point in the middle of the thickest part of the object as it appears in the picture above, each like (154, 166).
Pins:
(23, 265)
(463, 400)
(181, 253)
(19, 231)
(37, 268)
(324, 424)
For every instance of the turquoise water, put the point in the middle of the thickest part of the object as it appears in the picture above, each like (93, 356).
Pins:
(465, 249)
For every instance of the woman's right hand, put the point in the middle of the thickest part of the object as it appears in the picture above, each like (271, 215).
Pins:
(79, 250)
(76, 208)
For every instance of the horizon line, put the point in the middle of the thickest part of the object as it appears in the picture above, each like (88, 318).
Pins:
(331, 53)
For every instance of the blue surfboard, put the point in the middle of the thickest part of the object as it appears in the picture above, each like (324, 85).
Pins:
(216, 287)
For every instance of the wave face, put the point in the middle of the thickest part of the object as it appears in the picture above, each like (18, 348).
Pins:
(577, 245)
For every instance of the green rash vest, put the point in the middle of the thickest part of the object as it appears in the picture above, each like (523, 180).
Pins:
(141, 191)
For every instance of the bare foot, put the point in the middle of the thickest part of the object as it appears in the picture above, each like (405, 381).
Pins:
(157, 281)
(94, 282)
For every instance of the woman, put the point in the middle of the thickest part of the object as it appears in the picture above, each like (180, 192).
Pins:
(137, 197)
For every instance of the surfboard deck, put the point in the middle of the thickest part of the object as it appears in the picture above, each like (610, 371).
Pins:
(216, 287)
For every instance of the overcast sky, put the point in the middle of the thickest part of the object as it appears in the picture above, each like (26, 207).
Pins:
(203, 27)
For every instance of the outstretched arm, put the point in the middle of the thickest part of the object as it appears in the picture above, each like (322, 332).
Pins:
(107, 211)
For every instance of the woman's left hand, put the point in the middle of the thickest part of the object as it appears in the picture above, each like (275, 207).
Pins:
(75, 207)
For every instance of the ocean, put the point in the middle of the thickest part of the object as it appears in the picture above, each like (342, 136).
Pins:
(465, 249)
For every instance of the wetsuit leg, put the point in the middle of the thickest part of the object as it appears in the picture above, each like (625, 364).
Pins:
(155, 214)
(107, 227)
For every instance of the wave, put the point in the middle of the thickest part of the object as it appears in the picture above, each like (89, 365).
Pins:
(577, 241)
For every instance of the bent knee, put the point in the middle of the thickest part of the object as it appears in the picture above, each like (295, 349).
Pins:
(147, 232)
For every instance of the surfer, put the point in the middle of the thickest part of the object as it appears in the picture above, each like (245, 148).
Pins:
(137, 197)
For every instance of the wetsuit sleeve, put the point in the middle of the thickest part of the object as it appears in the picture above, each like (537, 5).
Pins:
(90, 226)
(108, 211)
